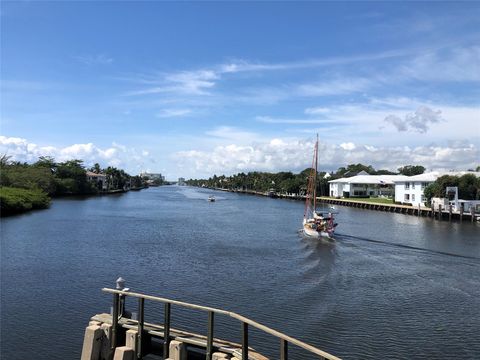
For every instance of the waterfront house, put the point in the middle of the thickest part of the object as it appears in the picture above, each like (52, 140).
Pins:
(409, 190)
(364, 186)
(100, 180)
(405, 189)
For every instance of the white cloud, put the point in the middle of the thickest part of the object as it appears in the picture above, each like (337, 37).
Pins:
(232, 134)
(317, 110)
(272, 120)
(295, 155)
(460, 64)
(348, 146)
(117, 155)
(339, 86)
(194, 82)
(168, 113)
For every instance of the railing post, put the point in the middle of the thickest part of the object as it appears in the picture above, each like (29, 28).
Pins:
(114, 320)
(166, 332)
(244, 341)
(283, 350)
(141, 308)
(210, 336)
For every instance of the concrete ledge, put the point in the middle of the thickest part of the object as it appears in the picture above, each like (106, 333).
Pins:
(105, 352)
(131, 339)
(178, 350)
(123, 353)
(92, 343)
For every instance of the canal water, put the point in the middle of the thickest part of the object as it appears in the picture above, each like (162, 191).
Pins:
(391, 285)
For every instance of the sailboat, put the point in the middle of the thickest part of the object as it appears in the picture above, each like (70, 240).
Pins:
(316, 224)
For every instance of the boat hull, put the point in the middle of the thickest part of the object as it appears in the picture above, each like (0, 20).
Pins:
(316, 234)
(312, 233)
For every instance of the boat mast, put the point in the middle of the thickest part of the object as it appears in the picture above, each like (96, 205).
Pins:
(312, 179)
(315, 177)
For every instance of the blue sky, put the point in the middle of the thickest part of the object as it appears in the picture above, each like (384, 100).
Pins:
(192, 89)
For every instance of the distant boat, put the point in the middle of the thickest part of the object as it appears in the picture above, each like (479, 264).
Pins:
(316, 224)
(211, 198)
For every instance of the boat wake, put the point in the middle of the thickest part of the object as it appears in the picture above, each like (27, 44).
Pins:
(356, 238)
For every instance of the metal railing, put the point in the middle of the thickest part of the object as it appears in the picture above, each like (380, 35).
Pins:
(119, 296)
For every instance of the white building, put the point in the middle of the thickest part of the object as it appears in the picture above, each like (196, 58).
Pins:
(364, 186)
(410, 190)
(407, 189)
(152, 176)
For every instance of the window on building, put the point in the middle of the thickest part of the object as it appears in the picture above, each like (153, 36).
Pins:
(407, 197)
(413, 197)
(413, 185)
(407, 185)
(423, 198)
(424, 185)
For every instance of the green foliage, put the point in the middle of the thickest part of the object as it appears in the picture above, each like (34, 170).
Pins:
(411, 170)
(354, 169)
(71, 178)
(137, 182)
(14, 200)
(27, 177)
(468, 187)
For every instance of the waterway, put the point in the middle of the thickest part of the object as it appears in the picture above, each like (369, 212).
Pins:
(391, 285)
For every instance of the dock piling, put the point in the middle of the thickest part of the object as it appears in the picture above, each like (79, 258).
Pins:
(210, 336)
(166, 329)
(140, 329)
(244, 341)
(283, 349)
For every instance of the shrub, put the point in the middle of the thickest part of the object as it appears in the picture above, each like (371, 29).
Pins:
(15, 200)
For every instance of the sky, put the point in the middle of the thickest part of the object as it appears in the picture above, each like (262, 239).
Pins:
(192, 89)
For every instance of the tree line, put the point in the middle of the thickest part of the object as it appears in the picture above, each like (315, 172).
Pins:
(288, 182)
(26, 186)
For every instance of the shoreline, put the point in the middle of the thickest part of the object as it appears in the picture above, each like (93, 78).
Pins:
(419, 211)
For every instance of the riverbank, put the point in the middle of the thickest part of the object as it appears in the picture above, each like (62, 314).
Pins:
(372, 204)
(14, 201)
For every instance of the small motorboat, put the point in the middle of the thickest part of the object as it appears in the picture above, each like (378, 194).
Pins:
(211, 198)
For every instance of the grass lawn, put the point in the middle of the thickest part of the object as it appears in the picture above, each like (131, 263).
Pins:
(371, 200)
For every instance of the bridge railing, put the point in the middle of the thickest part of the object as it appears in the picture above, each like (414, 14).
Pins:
(285, 340)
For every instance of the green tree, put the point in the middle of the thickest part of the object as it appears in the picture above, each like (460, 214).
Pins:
(410, 170)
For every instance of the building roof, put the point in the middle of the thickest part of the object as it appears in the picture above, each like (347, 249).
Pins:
(92, 174)
(392, 179)
(434, 175)
(371, 179)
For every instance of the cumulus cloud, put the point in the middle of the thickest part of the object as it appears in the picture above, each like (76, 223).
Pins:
(296, 155)
(418, 121)
(116, 155)
(348, 146)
